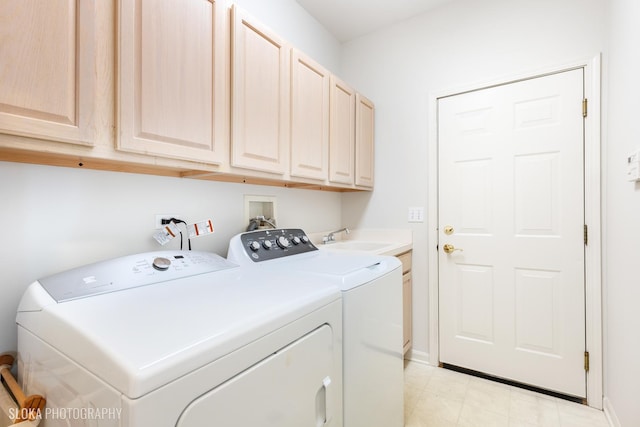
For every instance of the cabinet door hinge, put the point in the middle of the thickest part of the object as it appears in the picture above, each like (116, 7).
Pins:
(586, 235)
(586, 361)
(585, 103)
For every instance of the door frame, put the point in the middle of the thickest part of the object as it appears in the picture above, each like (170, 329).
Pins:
(593, 204)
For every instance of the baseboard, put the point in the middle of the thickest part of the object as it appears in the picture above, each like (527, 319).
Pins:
(417, 356)
(612, 418)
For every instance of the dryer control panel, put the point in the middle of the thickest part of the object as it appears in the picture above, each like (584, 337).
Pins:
(263, 245)
(130, 272)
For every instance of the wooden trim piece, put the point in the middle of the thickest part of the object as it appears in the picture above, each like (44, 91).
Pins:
(76, 161)
(30, 406)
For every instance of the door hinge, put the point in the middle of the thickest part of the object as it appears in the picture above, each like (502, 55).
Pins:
(585, 103)
(586, 361)
(586, 234)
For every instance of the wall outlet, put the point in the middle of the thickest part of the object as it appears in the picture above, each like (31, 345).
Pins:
(160, 217)
(416, 214)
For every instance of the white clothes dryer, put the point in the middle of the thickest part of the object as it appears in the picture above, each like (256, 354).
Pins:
(182, 339)
(371, 288)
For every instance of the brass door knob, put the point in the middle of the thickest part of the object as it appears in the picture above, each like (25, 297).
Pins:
(449, 249)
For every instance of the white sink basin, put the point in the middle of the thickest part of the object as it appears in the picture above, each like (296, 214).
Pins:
(356, 245)
(389, 242)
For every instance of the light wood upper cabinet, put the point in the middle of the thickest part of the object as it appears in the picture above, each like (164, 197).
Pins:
(364, 141)
(47, 78)
(199, 89)
(260, 96)
(309, 118)
(173, 81)
(341, 132)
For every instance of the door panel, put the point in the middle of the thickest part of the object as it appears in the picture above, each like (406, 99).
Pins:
(537, 204)
(291, 388)
(342, 124)
(172, 83)
(537, 297)
(309, 118)
(365, 111)
(260, 93)
(47, 78)
(475, 297)
(511, 186)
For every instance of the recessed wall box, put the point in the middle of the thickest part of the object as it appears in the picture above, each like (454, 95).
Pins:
(260, 206)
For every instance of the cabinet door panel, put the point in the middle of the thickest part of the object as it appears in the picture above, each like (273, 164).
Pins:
(407, 312)
(260, 92)
(309, 118)
(46, 77)
(342, 133)
(364, 141)
(171, 79)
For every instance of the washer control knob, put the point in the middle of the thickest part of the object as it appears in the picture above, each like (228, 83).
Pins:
(161, 264)
(283, 242)
(267, 244)
(254, 246)
(304, 238)
(295, 240)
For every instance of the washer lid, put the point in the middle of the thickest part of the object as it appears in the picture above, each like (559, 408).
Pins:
(144, 337)
(335, 264)
(345, 270)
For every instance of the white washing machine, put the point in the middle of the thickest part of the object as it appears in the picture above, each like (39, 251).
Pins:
(371, 289)
(182, 339)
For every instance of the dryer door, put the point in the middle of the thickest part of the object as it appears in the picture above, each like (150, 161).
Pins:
(290, 388)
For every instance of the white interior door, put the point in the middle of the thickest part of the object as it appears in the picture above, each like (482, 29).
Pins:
(511, 198)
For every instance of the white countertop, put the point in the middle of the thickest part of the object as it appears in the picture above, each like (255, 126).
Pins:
(382, 241)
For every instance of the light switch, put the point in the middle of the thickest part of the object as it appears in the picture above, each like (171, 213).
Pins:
(633, 167)
(416, 214)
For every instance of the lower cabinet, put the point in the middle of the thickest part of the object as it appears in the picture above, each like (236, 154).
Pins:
(407, 301)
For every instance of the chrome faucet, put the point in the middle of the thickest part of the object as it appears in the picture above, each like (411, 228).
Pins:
(331, 238)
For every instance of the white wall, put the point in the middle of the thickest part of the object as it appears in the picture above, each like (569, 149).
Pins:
(462, 43)
(622, 218)
(56, 218)
(52, 218)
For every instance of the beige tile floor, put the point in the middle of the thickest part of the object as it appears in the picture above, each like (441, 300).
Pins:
(436, 397)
